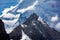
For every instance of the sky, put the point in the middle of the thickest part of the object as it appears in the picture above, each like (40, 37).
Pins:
(6, 4)
(11, 11)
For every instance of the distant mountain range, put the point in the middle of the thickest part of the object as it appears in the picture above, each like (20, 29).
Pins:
(36, 29)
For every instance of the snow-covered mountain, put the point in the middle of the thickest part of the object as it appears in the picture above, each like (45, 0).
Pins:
(14, 16)
(17, 14)
(34, 28)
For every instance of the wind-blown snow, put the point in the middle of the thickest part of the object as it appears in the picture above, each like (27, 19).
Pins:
(17, 5)
(5, 11)
(24, 36)
(28, 8)
(41, 20)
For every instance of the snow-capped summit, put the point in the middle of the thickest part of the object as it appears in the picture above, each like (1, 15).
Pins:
(15, 15)
(33, 29)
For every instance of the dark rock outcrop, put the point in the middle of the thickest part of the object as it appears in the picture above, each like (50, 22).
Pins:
(39, 31)
(16, 34)
(36, 30)
(3, 34)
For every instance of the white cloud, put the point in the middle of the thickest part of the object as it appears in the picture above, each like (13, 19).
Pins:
(57, 26)
(28, 8)
(5, 11)
(18, 5)
(54, 18)
(9, 15)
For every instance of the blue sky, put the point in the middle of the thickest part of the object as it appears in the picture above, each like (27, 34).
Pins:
(6, 4)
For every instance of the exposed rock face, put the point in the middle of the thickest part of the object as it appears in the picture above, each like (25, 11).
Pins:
(3, 34)
(36, 30)
(16, 34)
(32, 29)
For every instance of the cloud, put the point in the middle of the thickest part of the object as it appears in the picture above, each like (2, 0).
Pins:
(17, 5)
(54, 18)
(28, 8)
(5, 11)
(57, 26)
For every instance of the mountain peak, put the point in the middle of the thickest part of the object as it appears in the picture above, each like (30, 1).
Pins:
(33, 16)
(36, 30)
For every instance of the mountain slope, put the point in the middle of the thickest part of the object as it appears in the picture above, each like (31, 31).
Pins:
(35, 30)
(47, 9)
